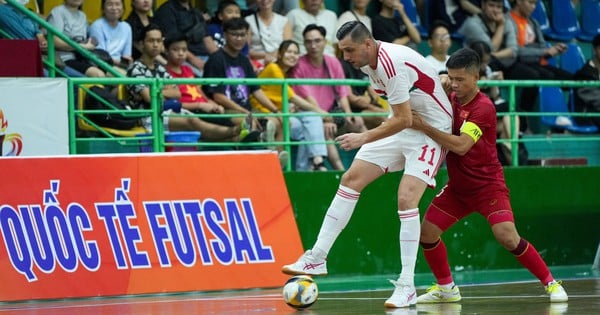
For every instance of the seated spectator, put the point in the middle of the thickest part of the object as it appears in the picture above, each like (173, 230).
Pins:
(392, 25)
(140, 17)
(313, 12)
(364, 99)
(317, 64)
(358, 12)
(72, 22)
(503, 125)
(453, 12)
(228, 9)
(113, 35)
(500, 35)
(268, 29)
(192, 97)
(439, 41)
(284, 6)
(178, 16)
(228, 62)
(587, 99)
(19, 25)
(140, 97)
(303, 127)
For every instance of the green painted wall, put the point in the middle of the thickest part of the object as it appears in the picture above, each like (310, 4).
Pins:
(556, 209)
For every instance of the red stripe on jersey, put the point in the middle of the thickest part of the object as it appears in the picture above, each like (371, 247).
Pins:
(426, 84)
(387, 63)
(380, 92)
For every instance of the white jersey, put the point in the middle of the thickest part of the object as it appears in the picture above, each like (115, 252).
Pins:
(402, 74)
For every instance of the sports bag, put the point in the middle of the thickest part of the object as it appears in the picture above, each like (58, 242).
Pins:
(110, 120)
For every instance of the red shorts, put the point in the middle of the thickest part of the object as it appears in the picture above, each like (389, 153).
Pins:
(448, 208)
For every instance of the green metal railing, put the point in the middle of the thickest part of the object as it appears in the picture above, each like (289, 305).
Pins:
(157, 137)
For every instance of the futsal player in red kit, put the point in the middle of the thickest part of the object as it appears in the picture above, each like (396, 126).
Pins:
(476, 183)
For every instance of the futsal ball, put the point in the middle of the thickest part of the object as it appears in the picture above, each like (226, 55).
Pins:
(300, 292)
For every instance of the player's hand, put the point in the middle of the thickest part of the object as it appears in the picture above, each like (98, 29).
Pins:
(350, 141)
(417, 121)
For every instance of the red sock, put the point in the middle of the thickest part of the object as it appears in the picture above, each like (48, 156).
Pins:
(529, 257)
(437, 259)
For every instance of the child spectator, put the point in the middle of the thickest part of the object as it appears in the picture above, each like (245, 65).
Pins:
(148, 67)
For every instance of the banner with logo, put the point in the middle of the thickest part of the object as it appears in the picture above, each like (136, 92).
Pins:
(81, 226)
(33, 117)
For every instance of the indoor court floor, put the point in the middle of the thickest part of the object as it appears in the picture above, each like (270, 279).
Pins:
(497, 292)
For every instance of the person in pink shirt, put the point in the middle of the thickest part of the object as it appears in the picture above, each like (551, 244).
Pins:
(316, 64)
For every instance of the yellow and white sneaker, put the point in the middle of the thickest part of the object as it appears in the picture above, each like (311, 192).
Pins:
(437, 294)
(556, 291)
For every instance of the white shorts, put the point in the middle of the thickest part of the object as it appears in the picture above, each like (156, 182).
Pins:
(409, 150)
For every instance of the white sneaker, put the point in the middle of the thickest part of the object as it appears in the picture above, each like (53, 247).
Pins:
(437, 294)
(404, 295)
(563, 121)
(556, 291)
(307, 264)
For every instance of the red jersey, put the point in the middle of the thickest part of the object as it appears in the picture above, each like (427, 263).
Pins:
(479, 168)
(190, 93)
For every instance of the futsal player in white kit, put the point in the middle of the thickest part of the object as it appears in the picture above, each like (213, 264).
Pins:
(410, 83)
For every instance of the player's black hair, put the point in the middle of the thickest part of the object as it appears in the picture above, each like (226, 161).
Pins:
(357, 31)
(436, 24)
(313, 27)
(464, 58)
(174, 38)
(235, 24)
(147, 29)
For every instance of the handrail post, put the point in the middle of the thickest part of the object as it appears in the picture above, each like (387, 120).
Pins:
(155, 96)
(70, 110)
(514, 133)
(286, 123)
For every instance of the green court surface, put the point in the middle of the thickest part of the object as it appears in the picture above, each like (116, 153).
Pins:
(511, 291)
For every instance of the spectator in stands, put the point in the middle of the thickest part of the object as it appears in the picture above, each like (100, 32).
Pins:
(358, 12)
(306, 127)
(112, 34)
(268, 29)
(317, 64)
(72, 22)
(503, 124)
(439, 41)
(284, 6)
(313, 12)
(228, 62)
(140, 97)
(453, 12)
(178, 16)
(533, 51)
(587, 99)
(140, 17)
(228, 9)
(392, 25)
(19, 26)
(500, 34)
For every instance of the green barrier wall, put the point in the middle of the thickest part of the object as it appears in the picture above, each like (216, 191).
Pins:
(556, 209)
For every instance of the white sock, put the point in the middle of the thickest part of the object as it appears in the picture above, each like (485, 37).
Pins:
(410, 230)
(448, 286)
(335, 220)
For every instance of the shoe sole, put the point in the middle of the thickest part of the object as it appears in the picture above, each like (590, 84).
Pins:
(291, 272)
(438, 302)
(390, 305)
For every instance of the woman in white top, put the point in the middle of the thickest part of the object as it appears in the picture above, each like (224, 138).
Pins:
(268, 29)
(112, 34)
